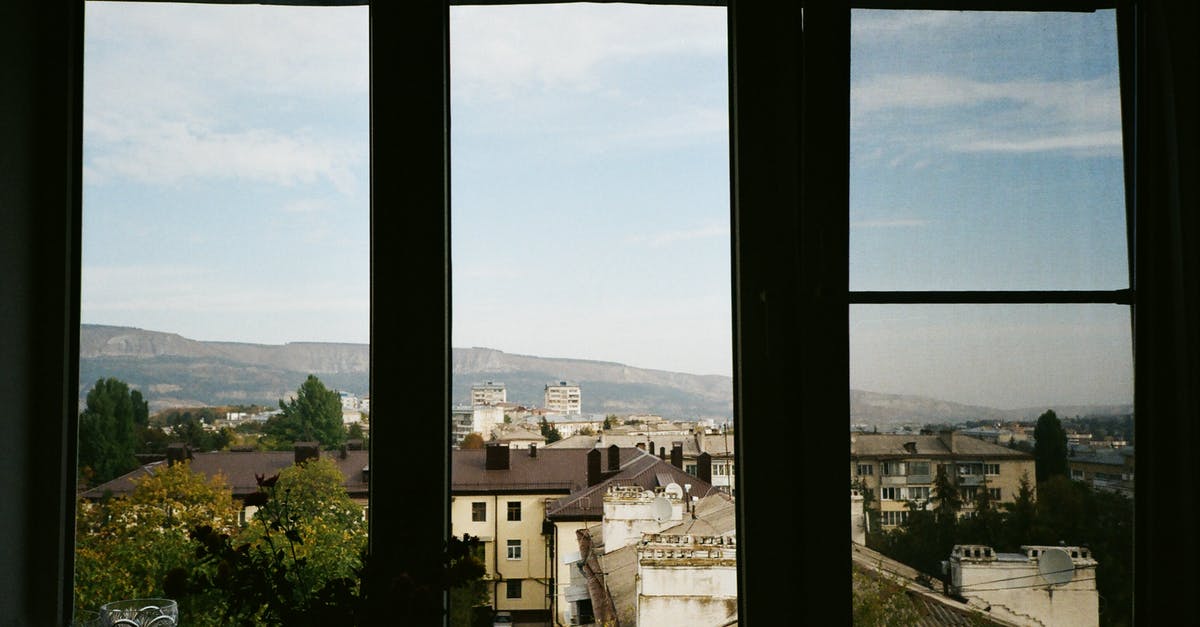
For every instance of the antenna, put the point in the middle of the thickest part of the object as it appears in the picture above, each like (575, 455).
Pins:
(661, 508)
(1055, 566)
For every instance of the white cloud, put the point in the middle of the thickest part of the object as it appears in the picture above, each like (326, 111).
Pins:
(666, 238)
(1098, 142)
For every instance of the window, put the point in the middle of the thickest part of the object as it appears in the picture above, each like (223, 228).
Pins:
(893, 518)
(514, 549)
(891, 494)
(890, 469)
(919, 493)
(994, 493)
(514, 510)
(478, 511)
(690, 469)
(512, 589)
(991, 469)
(866, 470)
(918, 468)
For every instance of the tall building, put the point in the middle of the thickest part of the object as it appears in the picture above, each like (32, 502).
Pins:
(563, 397)
(490, 393)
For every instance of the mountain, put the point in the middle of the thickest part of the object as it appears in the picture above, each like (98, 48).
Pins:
(873, 408)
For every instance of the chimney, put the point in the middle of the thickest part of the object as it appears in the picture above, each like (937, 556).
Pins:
(662, 453)
(700, 432)
(947, 438)
(306, 450)
(910, 447)
(614, 458)
(342, 454)
(496, 457)
(677, 455)
(593, 467)
(641, 446)
(652, 449)
(533, 449)
(177, 452)
(704, 468)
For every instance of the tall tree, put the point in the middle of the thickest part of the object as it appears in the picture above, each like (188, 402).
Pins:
(315, 414)
(1050, 447)
(107, 434)
(141, 409)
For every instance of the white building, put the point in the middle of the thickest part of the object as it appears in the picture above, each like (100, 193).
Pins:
(1042, 585)
(489, 393)
(686, 579)
(564, 398)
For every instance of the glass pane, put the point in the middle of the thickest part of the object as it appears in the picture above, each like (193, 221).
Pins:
(591, 291)
(225, 306)
(985, 152)
(960, 408)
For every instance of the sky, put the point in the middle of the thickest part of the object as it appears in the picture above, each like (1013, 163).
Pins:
(226, 186)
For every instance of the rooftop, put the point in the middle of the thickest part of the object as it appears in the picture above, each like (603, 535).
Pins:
(934, 446)
(638, 469)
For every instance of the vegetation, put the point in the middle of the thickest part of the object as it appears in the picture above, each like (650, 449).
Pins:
(610, 421)
(1050, 449)
(550, 433)
(108, 431)
(315, 414)
(879, 601)
(471, 440)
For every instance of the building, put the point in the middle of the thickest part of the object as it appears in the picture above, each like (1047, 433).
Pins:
(489, 393)
(1041, 585)
(563, 398)
(896, 469)
(693, 440)
(1104, 469)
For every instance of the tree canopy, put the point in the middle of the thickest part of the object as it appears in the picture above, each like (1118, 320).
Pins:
(107, 430)
(1050, 447)
(550, 433)
(315, 414)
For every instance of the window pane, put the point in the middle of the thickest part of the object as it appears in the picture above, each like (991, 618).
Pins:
(225, 300)
(961, 405)
(985, 152)
(592, 315)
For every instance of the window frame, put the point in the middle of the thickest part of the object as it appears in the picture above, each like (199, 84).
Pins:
(787, 107)
(478, 511)
(509, 552)
(514, 511)
(508, 589)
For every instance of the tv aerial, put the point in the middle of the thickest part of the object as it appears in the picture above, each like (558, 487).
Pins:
(1055, 567)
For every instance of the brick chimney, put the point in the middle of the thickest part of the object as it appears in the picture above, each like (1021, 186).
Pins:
(677, 455)
(533, 449)
(614, 458)
(652, 449)
(704, 468)
(177, 452)
(496, 456)
(593, 467)
(947, 438)
(662, 453)
(305, 451)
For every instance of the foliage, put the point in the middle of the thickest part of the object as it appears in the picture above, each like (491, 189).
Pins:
(107, 434)
(125, 546)
(315, 414)
(507, 419)
(586, 430)
(198, 438)
(1050, 447)
(471, 441)
(610, 421)
(550, 433)
(879, 601)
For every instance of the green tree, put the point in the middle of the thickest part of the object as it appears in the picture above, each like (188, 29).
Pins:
(879, 600)
(1050, 447)
(141, 409)
(610, 421)
(107, 434)
(550, 433)
(315, 414)
(125, 546)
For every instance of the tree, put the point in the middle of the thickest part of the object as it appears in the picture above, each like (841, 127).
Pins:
(125, 546)
(107, 434)
(1050, 447)
(471, 440)
(141, 409)
(315, 414)
(610, 421)
(550, 433)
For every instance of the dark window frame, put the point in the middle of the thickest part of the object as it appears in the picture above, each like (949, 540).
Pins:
(510, 584)
(478, 511)
(514, 513)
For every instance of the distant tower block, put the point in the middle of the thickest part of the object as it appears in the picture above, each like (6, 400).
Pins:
(563, 398)
(490, 393)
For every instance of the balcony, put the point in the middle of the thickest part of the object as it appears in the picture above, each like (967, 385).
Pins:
(920, 479)
(970, 480)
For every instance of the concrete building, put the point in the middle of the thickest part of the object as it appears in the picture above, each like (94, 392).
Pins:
(897, 469)
(686, 579)
(489, 393)
(1041, 585)
(564, 398)
(1104, 469)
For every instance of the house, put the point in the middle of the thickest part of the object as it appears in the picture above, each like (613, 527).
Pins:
(1041, 585)
(897, 469)
(1104, 468)
(693, 440)
(788, 95)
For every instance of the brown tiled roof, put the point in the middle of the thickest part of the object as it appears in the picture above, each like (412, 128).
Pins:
(714, 444)
(893, 445)
(641, 469)
(240, 468)
(551, 471)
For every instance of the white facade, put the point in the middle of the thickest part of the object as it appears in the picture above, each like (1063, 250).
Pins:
(686, 580)
(630, 511)
(563, 397)
(858, 519)
(1013, 587)
(484, 419)
(489, 393)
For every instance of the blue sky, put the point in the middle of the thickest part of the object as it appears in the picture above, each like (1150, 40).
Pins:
(226, 186)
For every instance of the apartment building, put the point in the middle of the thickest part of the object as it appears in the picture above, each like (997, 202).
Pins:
(899, 468)
(563, 397)
(1104, 469)
(489, 393)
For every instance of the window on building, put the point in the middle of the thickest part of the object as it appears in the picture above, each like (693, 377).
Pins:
(918, 493)
(866, 470)
(991, 469)
(478, 511)
(891, 469)
(514, 549)
(918, 468)
(512, 589)
(994, 493)
(514, 510)
(690, 469)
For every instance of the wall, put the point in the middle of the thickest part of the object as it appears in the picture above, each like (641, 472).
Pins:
(686, 595)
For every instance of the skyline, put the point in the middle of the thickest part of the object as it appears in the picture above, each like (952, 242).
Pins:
(589, 144)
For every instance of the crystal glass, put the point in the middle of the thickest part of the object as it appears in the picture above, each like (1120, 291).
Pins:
(140, 613)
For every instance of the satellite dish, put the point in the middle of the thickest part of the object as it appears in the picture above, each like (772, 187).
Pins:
(674, 490)
(1055, 566)
(661, 508)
